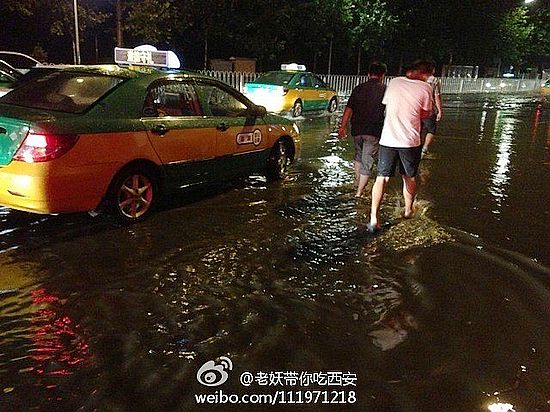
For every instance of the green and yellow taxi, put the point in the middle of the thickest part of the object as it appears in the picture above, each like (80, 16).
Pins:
(545, 87)
(292, 90)
(106, 137)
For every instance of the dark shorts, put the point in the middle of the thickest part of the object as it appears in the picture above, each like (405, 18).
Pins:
(407, 158)
(429, 124)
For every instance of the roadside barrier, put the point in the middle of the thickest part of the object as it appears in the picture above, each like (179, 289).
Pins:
(344, 84)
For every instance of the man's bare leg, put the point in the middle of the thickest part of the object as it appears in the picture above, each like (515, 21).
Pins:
(427, 143)
(356, 167)
(409, 193)
(363, 180)
(378, 190)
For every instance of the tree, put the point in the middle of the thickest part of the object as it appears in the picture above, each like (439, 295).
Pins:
(539, 52)
(144, 17)
(368, 24)
(58, 15)
(323, 34)
(63, 19)
(516, 32)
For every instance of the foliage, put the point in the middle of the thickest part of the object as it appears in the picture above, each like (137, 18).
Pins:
(516, 31)
(313, 32)
(539, 49)
(25, 7)
(143, 18)
(368, 23)
(60, 13)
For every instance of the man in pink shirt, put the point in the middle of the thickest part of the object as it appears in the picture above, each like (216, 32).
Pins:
(408, 100)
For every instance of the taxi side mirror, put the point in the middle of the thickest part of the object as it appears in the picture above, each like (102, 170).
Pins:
(257, 111)
(150, 112)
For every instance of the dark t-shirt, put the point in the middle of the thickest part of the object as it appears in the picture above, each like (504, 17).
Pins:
(368, 110)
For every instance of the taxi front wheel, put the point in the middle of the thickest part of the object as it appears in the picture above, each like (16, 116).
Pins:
(278, 161)
(333, 105)
(297, 108)
(132, 195)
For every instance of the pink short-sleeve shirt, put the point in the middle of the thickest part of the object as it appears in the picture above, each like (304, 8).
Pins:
(407, 102)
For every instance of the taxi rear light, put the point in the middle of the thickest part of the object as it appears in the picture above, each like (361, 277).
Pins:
(38, 147)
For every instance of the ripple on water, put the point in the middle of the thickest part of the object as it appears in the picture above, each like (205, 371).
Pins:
(424, 315)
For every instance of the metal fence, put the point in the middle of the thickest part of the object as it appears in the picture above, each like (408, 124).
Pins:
(344, 84)
(235, 79)
(488, 85)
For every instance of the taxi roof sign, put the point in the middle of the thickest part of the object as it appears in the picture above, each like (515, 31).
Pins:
(147, 56)
(293, 66)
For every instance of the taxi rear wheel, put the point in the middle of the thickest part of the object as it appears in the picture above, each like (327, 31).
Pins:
(133, 194)
(333, 105)
(297, 109)
(278, 161)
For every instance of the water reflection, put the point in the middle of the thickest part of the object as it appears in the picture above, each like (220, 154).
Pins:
(503, 139)
(482, 124)
(42, 345)
(334, 171)
(58, 348)
(501, 407)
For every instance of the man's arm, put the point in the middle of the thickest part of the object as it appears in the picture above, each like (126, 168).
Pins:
(344, 122)
(439, 105)
(427, 105)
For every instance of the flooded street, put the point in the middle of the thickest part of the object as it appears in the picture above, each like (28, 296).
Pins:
(448, 311)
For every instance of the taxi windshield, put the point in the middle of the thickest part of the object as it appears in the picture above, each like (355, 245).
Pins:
(7, 71)
(63, 91)
(281, 78)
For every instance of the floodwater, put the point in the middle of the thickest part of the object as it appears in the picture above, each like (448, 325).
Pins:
(448, 311)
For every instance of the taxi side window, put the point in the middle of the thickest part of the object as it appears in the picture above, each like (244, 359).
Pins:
(171, 99)
(318, 83)
(305, 80)
(220, 102)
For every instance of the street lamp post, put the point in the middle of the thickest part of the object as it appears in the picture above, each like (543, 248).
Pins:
(76, 35)
(119, 27)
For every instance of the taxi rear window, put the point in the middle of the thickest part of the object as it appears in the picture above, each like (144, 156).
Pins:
(275, 78)
(62, 91)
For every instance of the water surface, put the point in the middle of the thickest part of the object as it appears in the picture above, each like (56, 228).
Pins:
(448, 311)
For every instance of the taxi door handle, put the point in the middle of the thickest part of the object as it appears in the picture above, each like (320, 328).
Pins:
(160, 129)
(222, 126)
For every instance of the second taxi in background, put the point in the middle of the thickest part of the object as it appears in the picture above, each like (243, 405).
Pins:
(292, 90)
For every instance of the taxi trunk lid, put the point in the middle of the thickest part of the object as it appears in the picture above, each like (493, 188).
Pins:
(12, 134)
(17, 121)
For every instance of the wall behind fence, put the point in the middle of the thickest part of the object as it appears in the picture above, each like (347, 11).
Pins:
(344, 84)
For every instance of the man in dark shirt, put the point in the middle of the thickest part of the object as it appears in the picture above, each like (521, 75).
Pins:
(365, 111)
